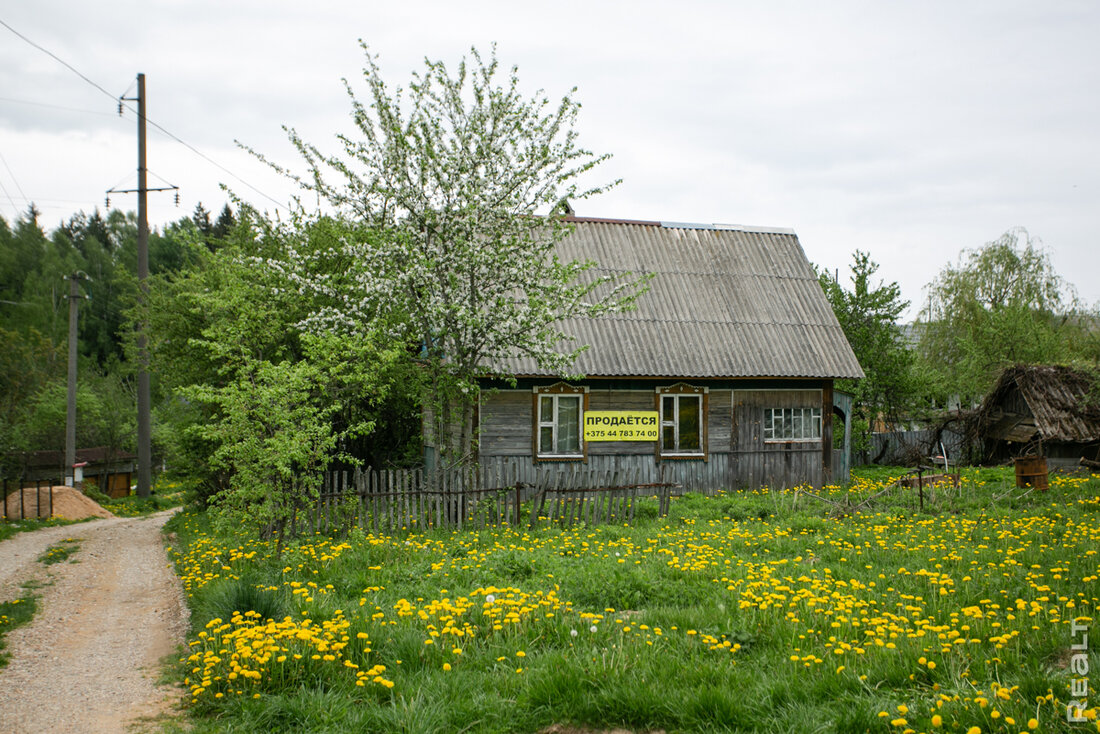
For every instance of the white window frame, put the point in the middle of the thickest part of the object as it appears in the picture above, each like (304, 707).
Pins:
(775, 422)
(556, 393)
(678, 392)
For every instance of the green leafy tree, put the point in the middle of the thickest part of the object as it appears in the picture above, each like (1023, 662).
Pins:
(275, 431)
(44, 427)
(1001, 304)
(258, 409)
(457, 186)
(33, 294)
(207, 322)
(868, 313)
(201, 219)
(34, 313)
(28, 362)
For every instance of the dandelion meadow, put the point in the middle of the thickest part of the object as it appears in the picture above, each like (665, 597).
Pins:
(849, 610)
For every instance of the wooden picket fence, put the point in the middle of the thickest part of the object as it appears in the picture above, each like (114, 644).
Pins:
(388, 501)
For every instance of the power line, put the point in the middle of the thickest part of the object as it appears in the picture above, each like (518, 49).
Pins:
(13, 206)
(17, 186)
(208, 159)
(57, 58)
(185, 144)
(13, 178)
(55, 106)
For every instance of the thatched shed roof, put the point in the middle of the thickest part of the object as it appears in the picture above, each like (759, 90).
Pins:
(1041, 401)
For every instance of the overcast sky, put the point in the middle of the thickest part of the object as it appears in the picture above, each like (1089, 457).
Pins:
(909, 130)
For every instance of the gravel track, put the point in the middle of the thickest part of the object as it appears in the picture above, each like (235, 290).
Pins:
(89, 660)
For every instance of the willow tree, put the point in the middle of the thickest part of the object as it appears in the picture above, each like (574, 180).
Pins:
(459, 185)
(1002, 304)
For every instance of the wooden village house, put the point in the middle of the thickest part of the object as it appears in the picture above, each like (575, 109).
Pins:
(721, 378)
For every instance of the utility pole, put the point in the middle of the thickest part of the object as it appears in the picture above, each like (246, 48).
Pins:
(144, 431)
(144, 400)
(70, 413)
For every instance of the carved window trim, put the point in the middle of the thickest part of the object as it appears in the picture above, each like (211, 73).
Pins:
(539, 421)
(675, 394)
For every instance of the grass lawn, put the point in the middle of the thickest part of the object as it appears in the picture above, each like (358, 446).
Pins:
(15, 613)
(761, 611)
(167, 492)
(9, 528)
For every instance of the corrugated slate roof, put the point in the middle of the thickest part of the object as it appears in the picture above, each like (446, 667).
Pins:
(726, 301)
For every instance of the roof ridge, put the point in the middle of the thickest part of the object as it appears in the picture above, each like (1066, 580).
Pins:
(630, 316)
(757, 229)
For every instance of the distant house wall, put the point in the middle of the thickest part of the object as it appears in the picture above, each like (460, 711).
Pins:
(737, 453)
(114, 484)
(110, 471)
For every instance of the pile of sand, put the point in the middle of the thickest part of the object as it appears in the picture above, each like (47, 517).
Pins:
(68, 503)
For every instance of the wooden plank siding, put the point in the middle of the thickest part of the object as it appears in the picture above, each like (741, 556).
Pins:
(775, 464)
(738, 457)
(505, 417)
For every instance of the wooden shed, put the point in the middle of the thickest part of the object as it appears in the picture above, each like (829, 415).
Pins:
(721, 378)
(1044, 410)
(110, 470)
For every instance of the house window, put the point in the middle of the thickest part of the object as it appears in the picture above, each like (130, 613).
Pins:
(558, 413)
(792, 424)
(683, 420)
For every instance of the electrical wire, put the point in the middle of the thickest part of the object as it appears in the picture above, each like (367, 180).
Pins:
(13, 206)
(13, 178)
(160, 178)
(185, 144)
(207, 158)
(58, 59)
(56, 107)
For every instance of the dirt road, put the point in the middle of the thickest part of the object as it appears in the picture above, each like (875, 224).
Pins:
(89, 660)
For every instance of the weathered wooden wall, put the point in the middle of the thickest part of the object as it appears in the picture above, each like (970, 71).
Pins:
(759, 463)
(738, 456)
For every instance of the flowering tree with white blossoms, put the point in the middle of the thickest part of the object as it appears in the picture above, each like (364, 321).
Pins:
(455, 191)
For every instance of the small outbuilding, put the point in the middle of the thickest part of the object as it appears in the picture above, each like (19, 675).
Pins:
(721, 378)
(1046, 410)
(110, 470)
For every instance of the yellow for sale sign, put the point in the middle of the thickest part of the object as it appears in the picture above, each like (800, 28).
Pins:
(621, 425)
